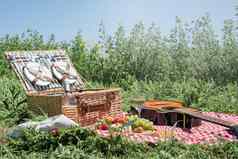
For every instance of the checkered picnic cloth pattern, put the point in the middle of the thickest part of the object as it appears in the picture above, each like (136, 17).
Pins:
(205, 133)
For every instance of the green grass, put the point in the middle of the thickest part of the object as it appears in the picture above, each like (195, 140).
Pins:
(165, 150)
(81, 143)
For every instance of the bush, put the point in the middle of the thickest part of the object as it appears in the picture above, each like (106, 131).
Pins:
(46, 145)
(13, 106)
(196, 93)
(189, 51)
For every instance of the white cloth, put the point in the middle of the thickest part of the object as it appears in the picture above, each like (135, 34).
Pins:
(59, 121)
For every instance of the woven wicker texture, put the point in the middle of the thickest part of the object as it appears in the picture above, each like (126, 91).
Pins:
(50, 99)
(93, 105)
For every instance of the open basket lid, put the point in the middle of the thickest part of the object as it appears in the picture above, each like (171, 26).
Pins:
(45, 72)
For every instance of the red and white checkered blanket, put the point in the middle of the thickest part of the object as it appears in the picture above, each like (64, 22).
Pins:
(205, 133)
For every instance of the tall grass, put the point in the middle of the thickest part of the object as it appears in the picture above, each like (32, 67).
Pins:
(164, 150)
(192, 50)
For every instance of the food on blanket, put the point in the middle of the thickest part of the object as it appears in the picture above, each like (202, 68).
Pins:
(117, 125)
(103, 127)
(138, 130)
(120, 119)
(145, 124)
(37, 74)
(109, 120)
(115, 120)
(139, 122)
(133, 117)
(132, 122)
(125, 120)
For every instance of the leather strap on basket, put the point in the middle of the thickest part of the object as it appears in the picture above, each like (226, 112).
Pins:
(100, 106)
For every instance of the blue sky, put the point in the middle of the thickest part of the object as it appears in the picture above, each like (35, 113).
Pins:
(65, 18)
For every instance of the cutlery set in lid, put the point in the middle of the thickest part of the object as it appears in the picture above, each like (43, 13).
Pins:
(45, 71)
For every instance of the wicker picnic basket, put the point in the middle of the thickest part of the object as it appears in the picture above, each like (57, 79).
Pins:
(92, 105)
(84, 106)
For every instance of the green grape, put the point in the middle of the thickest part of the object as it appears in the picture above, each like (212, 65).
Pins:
(140, 122)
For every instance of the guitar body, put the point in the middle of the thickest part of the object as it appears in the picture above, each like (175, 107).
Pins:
(173, 113)
(170, 118)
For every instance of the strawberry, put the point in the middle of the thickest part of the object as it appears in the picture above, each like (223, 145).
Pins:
(54, 132)
(103, 127)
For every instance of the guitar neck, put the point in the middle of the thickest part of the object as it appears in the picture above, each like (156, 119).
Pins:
(206, 117)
